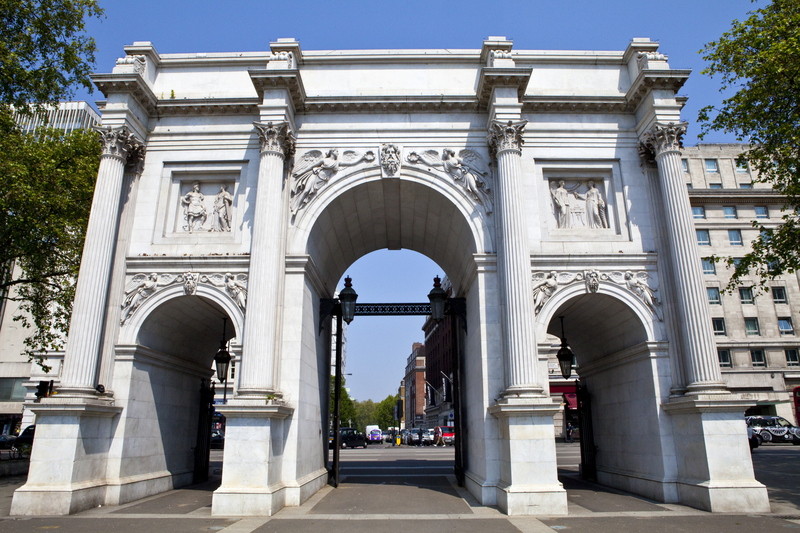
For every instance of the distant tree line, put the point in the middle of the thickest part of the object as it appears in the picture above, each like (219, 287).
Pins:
(367, 413)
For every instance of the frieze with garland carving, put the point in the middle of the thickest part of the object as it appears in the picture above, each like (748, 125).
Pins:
(142, 286)
(546, 284)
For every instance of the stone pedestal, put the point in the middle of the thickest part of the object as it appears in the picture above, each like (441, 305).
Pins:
(68, 461)
(528, 471)
(715, 468)
(251, 472)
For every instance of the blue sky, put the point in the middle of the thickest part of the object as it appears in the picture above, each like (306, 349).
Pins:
(378, 347)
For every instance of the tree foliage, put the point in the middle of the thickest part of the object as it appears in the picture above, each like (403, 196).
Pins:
(46, 186)
(384, 413)
(365, 414)
(347, 411)
(44, 50)
(759, 59)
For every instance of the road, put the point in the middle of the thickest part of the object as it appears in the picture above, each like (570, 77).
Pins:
(384, 488)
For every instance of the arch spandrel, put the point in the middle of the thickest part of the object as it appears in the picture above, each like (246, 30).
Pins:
(360, 213)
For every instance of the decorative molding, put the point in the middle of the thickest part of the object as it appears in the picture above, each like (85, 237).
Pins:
(466, 168)
(389, 104)
(284, 55)
(288, 79)
(576, 104)
(313, 172)
(142, 286)
(492, 77)
(662, 138)
(119, 142)
(391, 159)
(505, 136)
(130, 83)
(739, 196)
(207, 106)
(546, 284)
(138, 62)
(655, 79)
(277, 138)
(644, 58)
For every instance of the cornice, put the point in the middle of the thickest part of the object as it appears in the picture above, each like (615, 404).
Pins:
(650, 79)
(492, 77)
(130, 83)
(200, 263)
(577, 104)
(738, 196)
(391, 104)
(594, 261)
(208, 106)
(288, 79)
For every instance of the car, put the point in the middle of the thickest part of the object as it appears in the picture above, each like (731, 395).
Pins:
(375, 436)
(6, 441)
(414, 437)
(351, 438)
(448, 435)
(385, 436)
(427, 437)
(217, 441)
(774, 429)
(403, 436)
(24, 442)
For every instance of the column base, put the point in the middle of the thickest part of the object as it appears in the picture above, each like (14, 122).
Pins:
(265, 502)
(528, 471)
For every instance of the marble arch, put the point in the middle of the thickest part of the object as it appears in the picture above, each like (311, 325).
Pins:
(581, 148)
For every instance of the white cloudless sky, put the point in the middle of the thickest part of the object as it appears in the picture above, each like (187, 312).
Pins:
(378, 347)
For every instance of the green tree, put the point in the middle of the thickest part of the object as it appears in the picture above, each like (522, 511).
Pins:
(365, 414)
(759, 59)
(46, 186)
(44, 50)
(347, 411)
(384, 413)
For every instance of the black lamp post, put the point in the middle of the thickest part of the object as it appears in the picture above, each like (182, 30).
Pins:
(346, 311)
(222, 360)
(347, 299)
(437, 297)
(565, 355)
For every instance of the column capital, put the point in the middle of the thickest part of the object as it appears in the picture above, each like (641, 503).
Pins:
(505, 136)
(119, 142)
(661, 138)
(275, 137)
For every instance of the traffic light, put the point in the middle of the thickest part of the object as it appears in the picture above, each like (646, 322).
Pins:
(44, 389)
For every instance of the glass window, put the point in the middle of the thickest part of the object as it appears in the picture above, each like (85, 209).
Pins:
(719, 326)
(12, 389)
(698, 211)
(724, 357)
(741, 167)
(757, 357)
(751, 326)
(713, 296)
(685, 165)
(779, 295)
(736, 261)
(745, 185)
(702, 237)
(791, 358)
(785, 325)
(735, 237)
(746, 295)
(730, 211)
(711, 165)
(708, 266)
(714, 185)
(762, 211)
(688, 185)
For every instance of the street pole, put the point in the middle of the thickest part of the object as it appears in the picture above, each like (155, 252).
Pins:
(337, 400)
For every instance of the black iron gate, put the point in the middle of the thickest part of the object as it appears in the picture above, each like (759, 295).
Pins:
(202, 450)
(588, 464)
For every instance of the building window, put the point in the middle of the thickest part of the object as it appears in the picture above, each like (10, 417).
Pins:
(779, 295)
(713, 296)
(785, 325)
(746, 295)
(791, 358)
(708, 266)
(757, 357)
(698, 211)
(719, 326)
(702, 237)
(688, 185)
(724, 357)
(762, 211)
(741, 168)
(730, 211)
(712, 166)
(714, 185)
(735, 237)
(736, 261)
(685, 165)
(751, 326)
(745, 185)
(12, 389)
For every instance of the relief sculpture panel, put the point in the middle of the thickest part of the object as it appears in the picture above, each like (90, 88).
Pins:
(578, 204)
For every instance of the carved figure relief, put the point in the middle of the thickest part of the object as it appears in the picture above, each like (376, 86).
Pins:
(313, 172)
(194, 209)
(143, 286)
(390, 159)
(199, 208)
(222, 218)
(575, 209)
(545, 284)
(466, 168)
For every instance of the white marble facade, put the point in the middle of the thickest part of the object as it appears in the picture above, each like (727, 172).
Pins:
(249, 182)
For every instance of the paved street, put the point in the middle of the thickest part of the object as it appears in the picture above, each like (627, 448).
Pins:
(385, 487)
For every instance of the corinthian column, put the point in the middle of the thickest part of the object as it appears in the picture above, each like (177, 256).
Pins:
(259, 341)
(84, 343)
(513, 262)
(664, 142)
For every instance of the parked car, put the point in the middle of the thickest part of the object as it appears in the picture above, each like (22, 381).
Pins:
(427, 437)
(386, 436)
(774, 429)
(6, 441)
(753, 438)
(375, 436)
(403, 436)
(351, 438)
(448, 435)
(414, 437)
(217, 441)
(25, 439)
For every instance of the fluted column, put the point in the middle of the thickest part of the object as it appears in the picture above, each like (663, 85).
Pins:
(84, 342)
(259, 340)
(513, 262)
(664, 142)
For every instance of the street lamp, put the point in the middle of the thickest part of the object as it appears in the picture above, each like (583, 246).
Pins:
(565, 355)
(346, 311)
(347, 298)
(222, 360)
(438, 298)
